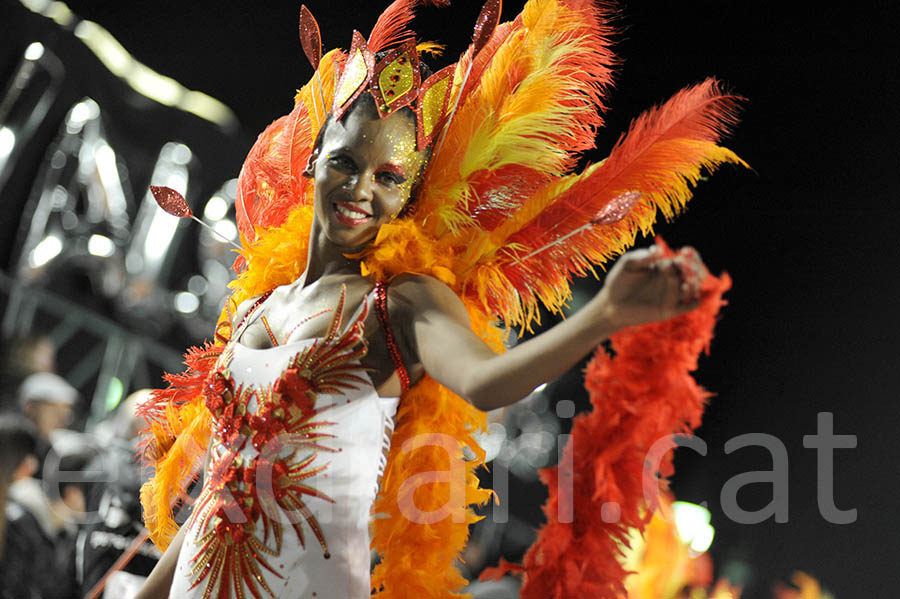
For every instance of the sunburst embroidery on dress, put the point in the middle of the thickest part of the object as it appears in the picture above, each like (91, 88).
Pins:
(238, 510)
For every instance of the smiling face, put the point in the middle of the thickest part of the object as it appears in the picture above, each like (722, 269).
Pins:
(364, 171)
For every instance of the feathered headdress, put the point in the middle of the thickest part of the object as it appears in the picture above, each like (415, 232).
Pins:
(499, 217)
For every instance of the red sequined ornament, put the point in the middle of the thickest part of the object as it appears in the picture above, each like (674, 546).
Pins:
(171, 201)
(310, 37)
(485, 25)
(618, 208)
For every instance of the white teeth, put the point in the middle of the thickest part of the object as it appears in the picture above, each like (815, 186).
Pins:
(350, 213)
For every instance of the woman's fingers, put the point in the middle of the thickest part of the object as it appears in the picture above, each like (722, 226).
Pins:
(673, 290)
(662, 286)
(692, 271)
(642, 259)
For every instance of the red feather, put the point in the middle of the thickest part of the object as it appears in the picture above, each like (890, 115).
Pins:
(183, 387)
(593, 73)
(391, 27)
(698, 113)
(270, 184)
(663, 150)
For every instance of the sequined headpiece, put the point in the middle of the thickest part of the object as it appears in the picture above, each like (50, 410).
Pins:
(394, 81)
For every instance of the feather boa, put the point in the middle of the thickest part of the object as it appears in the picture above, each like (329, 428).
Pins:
(641, 399)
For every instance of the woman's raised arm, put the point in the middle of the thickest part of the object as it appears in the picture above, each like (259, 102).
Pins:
(641, 287)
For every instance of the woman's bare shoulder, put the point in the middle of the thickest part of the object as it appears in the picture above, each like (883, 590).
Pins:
(420, 294)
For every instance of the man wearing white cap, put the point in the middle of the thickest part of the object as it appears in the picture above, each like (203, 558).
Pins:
(47, 400)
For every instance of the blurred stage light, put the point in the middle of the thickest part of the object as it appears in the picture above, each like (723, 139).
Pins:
(692, 522)
(134, 264)
(216, 208)
(7, 143)
(197, 284)
(159, 234)
(111, 183)
(207, 107)
(148, 82)
(34, 51)
(186, 302)
(226, 229)
(114, 393)
(101, 245)
(107, 48)
(56, 11)
(181, 154)
(45, 251)
(164, 90)
(60, 13)
(82, 112)
(140, 77)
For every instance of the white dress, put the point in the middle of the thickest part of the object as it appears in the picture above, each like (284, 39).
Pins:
(311, 469)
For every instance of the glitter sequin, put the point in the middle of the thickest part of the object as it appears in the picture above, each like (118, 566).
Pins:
(393, 349)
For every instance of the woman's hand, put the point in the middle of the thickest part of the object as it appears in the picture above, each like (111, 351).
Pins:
(646, 286)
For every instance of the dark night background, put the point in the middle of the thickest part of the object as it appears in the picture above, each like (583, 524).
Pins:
(809, 235)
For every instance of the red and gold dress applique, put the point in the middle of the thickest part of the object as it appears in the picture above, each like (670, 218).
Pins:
(237, 514)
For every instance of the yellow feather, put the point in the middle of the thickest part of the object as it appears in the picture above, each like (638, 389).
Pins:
(430, 47)
(321, 84)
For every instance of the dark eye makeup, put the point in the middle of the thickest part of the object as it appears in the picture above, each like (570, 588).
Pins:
(341, 161)
(391, 177)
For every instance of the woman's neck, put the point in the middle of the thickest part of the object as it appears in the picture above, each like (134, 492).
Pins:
(324, 258)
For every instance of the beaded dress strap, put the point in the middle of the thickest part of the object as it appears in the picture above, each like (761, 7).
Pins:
(394, 351)
(238, 331)
(255, 305)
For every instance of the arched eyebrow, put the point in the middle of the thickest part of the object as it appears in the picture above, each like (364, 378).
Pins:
(392, 167)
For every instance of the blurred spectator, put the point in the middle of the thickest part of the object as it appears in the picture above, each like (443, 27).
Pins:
(18, 441)
(22, 542)
(41, 524)
(117, 505)
(19, 358)
(46, 399)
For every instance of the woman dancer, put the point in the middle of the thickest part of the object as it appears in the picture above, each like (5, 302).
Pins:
(423, 211)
